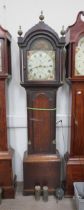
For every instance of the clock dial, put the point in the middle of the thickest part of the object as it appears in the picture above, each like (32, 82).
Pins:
(41, 65)
(79, 58)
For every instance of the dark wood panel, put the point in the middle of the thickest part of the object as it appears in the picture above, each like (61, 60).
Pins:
(77, 128)
(8, 192)
(5, 172)
(3, 129)
(74, 173)
(42, 170)
(41, 123)
(6, 175)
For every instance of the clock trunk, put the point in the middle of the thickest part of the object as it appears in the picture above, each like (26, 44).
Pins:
(6, 154)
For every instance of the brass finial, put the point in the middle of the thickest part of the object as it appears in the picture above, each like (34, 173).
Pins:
(41, 17)
(20, 32)
(62, 31)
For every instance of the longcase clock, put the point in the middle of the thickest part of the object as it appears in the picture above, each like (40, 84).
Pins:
(6, 174)
(75, 77)
(41, 63)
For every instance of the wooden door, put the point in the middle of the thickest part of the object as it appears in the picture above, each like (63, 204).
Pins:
(3, 128)
(77, 126)
(41, 120)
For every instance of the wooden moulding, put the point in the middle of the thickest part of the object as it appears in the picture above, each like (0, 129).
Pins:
(40, 157)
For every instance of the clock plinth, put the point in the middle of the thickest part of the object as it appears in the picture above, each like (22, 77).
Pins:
(74, 173)
(75, 76)
(6, 174)
(42, 65)
(39, 170)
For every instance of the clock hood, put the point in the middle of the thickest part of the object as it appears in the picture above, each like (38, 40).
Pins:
(53, 53)
(73, 31)
(41, 29)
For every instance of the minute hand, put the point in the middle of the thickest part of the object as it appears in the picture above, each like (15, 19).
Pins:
(43, 66)
(39, 67)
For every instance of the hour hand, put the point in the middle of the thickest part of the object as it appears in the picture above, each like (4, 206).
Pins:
(33, 68)
(36, 67)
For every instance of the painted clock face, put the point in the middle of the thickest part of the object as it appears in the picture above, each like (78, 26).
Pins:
(79, 58)
(41, 65)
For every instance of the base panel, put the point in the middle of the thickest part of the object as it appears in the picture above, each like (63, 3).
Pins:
(6, 176)
(74, 173)
(41, 170)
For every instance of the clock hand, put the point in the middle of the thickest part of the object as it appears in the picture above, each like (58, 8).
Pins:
(35, 67)
(47, 66)
(39, 67)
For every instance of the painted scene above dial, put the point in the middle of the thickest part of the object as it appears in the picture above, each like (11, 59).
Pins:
(41, 65)
(79, 58)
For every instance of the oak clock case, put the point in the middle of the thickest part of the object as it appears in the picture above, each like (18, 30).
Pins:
(6, 155)
(41, 67)
(75, 78)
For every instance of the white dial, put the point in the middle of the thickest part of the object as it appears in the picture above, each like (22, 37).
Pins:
(41, 65)
(79, 58)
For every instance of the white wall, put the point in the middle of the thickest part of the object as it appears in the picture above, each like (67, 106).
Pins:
(26, 13)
